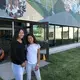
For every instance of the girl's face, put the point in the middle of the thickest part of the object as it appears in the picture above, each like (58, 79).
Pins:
(30, 39)
(21, 34)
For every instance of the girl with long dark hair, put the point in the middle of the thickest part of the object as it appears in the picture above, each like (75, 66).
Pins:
(33, 57)
(18, 56)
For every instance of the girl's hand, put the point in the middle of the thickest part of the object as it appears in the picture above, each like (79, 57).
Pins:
(23, 64)
(36, 67)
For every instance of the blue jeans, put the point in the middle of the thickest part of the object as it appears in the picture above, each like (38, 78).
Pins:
(29, 68)
(17, 71)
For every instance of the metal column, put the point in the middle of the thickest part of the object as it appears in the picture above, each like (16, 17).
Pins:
(12, 28)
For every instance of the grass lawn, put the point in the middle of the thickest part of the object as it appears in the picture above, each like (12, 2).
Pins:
(63, 66)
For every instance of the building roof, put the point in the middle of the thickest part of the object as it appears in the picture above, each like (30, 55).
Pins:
(62, 18)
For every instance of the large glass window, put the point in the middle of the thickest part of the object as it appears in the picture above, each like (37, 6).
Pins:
(58, 31)
(65, 32)
(51, 35)
(58, 37)
(75, 35)
(51, 32)
(39, 32)
(70, 34)
(65, 35)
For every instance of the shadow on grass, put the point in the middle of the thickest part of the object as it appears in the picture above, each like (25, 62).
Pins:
(1, 79)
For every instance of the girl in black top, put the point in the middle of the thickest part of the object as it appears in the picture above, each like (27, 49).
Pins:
(18, 57)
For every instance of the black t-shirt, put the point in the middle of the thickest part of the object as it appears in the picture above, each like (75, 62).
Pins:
(18, 55)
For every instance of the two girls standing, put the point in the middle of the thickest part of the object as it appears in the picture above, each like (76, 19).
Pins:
(18, 56)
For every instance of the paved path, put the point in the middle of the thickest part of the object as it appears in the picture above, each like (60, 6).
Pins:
(61, 48)
(6, 71)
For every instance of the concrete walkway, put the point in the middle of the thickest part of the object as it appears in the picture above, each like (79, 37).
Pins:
(6, 71)
(61, 48)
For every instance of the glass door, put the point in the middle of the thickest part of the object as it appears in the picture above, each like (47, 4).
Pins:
(40, 31)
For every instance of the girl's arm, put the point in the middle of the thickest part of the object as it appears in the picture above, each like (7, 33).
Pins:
(38, 57)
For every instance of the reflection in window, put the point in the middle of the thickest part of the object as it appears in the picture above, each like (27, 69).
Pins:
(38, 32)
(51, 32)
(58, 30)
(51, 35)
(75, 32)
(65, 35)
(65, 32)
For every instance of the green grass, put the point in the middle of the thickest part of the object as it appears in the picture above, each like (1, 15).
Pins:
(63, 66)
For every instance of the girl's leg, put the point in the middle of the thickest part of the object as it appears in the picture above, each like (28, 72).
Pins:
(37, 73)
(18, 71)
(28, 69)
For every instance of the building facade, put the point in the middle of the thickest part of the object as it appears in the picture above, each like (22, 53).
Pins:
(61, 20)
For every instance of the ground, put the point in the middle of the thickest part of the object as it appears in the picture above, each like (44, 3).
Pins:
(63, 66)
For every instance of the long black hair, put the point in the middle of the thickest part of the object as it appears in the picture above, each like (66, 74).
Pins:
(34, 39)
(16, 34)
